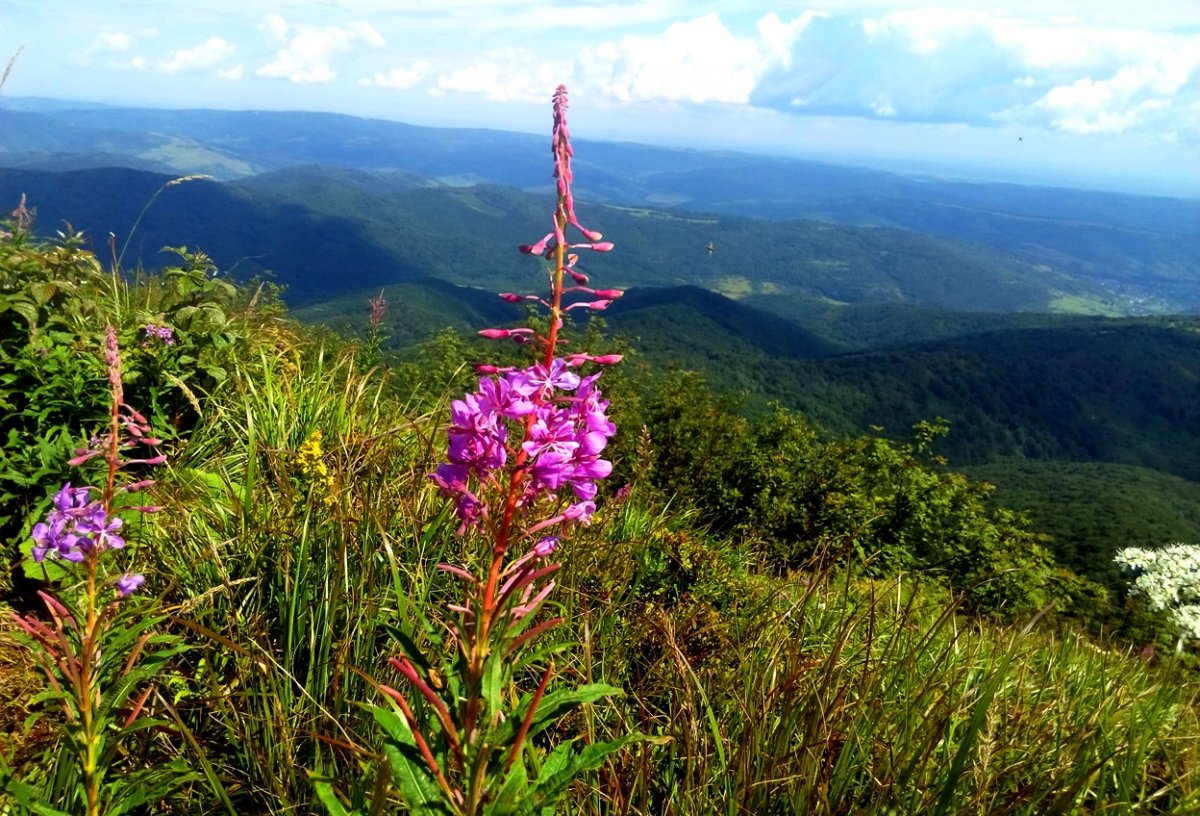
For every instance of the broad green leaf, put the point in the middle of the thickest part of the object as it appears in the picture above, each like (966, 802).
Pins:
(562, 767)
(493, 682)
(25, 310)
(419, 788)
(511, 795)
(324, 789)
(42, 292)
(553, 706)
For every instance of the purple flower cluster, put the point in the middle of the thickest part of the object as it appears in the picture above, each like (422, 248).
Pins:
(568, 429)
(78, 526)
(163, 334)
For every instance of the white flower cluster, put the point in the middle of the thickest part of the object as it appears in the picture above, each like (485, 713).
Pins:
(1169, 578)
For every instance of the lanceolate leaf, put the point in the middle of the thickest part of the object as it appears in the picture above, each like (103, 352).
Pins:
(417, 785)
(511, 796)
(561, 768)
(554, 705)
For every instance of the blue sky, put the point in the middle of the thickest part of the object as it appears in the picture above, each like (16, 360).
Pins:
(1099, 93)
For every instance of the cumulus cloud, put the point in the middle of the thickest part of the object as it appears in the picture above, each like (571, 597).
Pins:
(697, 60)
(399, 78)
(205, 55)
(1112, 105)
(976, 66)
(112, 46)
(308, 51)
(234, 73)
(506, 75)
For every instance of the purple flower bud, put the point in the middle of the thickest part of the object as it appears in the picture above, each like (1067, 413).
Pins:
(545, 546)
(509, 297)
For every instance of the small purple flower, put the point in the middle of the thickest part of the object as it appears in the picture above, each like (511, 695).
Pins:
(545, 546)
(102, 529)
(162, 334)
(128, 583)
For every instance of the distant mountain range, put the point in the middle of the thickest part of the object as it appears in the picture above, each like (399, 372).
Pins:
(326, 231)
(1137, 254)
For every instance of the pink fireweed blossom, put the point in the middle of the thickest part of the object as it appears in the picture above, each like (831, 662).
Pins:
(564, 438)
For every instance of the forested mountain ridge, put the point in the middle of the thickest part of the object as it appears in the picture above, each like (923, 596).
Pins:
(1140, 250)
(325, 231)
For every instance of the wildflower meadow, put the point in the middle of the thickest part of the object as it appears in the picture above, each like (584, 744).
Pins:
(259, 567)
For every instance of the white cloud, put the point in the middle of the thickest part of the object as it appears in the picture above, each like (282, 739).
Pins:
(115, 40)
(309, 51)
(698, 60)
(882, 107)
(205, 55)
(234, 73)
(110, 43)
(1113, 105)
(276, 27)
(399, 78)
(506, 75)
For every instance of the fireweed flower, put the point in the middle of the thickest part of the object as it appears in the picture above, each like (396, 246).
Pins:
(524, 453)
(565, 434)
(80, 526)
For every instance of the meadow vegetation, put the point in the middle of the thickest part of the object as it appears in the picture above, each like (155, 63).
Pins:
(797, 621)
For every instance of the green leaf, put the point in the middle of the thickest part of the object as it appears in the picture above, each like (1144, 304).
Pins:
(29, 797)
(562, 767)
(511, 795)
(324, 788)
(408, 646)
(493, 682)
(25, 310)
(42, 292)
(553, 706)
(419, 788)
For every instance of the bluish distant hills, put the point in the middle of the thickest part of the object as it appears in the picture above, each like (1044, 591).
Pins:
(1138, 252)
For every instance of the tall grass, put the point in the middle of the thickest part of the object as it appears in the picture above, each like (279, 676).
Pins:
(293, 580)
(840, 696)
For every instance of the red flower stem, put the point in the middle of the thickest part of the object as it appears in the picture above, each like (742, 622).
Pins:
(410, 674)
(533, 704)
(422, 746)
